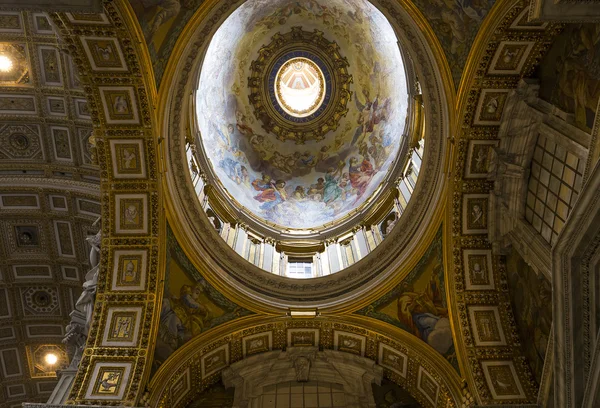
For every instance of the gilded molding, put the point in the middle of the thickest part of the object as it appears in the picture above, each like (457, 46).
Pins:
(120, 105)
(479, 110)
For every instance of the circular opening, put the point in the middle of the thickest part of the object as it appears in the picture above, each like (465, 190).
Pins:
(6, 63)
(300, 87)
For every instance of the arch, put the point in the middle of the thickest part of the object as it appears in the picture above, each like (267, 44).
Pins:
(254, 375)
(412, 364)
(468, 244)
(121, 98)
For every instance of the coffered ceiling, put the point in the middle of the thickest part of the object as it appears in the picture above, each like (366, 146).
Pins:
(49, 201)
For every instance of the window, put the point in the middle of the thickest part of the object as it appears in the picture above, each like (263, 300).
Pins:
(300, 268)
(556, 176)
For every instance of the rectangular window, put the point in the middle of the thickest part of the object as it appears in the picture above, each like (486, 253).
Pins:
(300, 268)
(552, 185)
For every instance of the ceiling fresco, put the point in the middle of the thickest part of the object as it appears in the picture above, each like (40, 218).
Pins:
(190, 305)
(47, 220)
(454, 23)
(303, 179)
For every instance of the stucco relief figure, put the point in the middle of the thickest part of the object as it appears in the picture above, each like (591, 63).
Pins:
(256, 343)
(508, 55)
(212, 361)
(492, 105)
(302, 367)
(476, 215)
(131, 213)
(487, 330)
(481, 159)
(477, 273)
(424, 313)
(129, 156)
(105, 52)
(120, 105)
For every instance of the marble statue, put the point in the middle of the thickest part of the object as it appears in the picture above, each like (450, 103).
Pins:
(81, 318)
(302, 366)
(74, 341)
(85, 303)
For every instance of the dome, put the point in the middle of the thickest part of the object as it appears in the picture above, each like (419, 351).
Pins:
(302, 109)
(305, 146)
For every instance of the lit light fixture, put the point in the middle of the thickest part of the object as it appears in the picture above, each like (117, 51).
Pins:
(50, 358)
(6, 63)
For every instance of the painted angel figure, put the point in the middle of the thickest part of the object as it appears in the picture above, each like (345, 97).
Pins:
(365, 116)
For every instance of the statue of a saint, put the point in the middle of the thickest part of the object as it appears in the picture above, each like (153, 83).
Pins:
(85, 303)
(302, 366)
